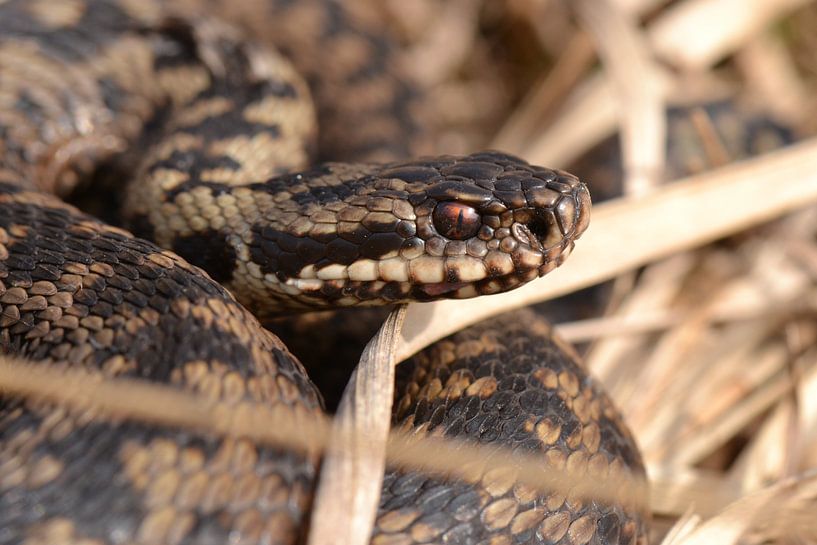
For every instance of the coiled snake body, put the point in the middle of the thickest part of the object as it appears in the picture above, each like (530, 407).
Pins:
(221, 178)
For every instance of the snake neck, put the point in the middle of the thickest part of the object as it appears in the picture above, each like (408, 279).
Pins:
(343, 234)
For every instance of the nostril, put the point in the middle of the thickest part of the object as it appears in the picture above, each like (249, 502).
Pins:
(540, 227)
(544, 228)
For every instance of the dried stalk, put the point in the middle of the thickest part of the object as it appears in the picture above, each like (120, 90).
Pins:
(674, 491)
(589, 115)
(136, 400)
(541, 101)
(692, 34)
(783, 513)
(627, 233)
(352, 471)
(658, 320)
(637, 83)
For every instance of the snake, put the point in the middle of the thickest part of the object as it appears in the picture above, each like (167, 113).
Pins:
(203, 115)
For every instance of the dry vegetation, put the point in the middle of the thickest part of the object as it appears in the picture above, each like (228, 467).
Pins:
(708, 339)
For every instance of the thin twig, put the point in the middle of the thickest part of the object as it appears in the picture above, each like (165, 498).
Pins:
(136, 400)
(637, 84)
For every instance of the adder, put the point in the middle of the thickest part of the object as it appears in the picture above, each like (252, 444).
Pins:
(214, 133)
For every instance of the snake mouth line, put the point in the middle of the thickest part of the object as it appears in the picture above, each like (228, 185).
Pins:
(351, 291)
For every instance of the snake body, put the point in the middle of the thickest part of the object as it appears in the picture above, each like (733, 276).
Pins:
(226, 129)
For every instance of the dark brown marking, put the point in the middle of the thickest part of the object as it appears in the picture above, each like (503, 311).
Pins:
(209, 250)
(381, 244)
(342, 251)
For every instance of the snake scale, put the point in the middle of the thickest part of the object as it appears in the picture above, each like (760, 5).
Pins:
(216, 133)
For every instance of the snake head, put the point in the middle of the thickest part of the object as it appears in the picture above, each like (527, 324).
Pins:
(444, 227)
(490, 222)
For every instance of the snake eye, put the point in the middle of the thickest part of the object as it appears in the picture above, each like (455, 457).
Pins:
(456, 221)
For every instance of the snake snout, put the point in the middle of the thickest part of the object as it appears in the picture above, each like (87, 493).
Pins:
(556, 211)
(563, 222)
(572, 211)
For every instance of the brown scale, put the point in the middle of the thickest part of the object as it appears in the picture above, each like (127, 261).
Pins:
(358, 81)
(90, 82)
(508, 381)
(76, 291)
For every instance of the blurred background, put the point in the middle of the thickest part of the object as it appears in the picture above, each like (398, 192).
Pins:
(708, 345)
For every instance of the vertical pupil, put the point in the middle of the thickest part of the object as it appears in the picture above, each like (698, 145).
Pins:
(460, 221)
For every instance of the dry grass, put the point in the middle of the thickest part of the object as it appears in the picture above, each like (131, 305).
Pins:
(711, 349)
(709, 344)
